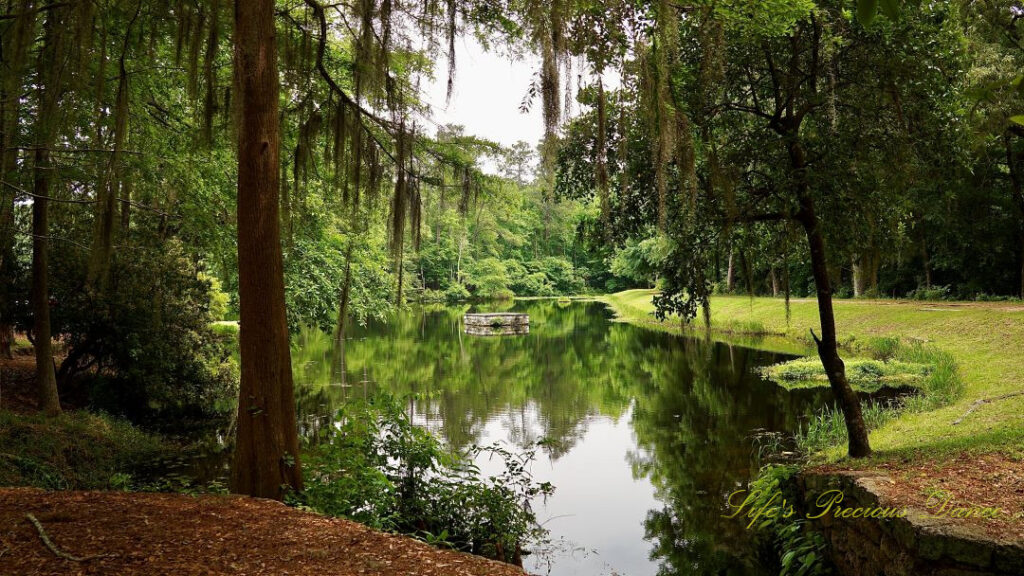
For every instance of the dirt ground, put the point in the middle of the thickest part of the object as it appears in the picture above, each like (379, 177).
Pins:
(16, 383)
(154, 534)
(965, 482)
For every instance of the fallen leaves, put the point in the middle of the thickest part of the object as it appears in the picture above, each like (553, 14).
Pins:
(208, 535)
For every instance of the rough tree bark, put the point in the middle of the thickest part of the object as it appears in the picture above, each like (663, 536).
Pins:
(266, 461)
(46, 378)
(1013, 161)
(50, 69)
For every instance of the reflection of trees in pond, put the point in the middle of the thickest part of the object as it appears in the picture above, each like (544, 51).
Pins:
(695, 404)
(558, 374)
(695, 412)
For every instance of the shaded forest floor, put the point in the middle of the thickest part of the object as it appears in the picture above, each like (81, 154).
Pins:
(972, 449)
(144, 534)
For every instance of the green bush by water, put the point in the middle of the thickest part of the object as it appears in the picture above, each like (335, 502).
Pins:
(865, 375)
(800, 551)
(381, 470)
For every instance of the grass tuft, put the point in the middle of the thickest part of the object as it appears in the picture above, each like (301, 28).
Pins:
(75, 451)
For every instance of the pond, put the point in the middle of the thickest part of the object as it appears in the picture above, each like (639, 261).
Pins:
(646, 434)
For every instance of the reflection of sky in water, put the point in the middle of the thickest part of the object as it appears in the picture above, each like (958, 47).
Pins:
(597, 512)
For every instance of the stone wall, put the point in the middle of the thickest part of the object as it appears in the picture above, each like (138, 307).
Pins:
(912, 545)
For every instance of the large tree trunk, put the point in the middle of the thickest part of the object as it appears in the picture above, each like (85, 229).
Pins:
(267, 448)
(46, 379)
(1017, 189)
(828, 349)
(50, 72)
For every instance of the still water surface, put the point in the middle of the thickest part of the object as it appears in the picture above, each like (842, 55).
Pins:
(646, 433)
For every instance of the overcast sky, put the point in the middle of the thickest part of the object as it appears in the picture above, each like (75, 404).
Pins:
(488, 90)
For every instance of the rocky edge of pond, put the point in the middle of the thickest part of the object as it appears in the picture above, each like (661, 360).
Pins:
(132, 533)
(922, 541)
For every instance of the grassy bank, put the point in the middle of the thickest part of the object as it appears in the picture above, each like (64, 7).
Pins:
(986, 341)
(77, 450)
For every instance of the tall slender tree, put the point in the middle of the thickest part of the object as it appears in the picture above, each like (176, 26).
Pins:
(50, 72)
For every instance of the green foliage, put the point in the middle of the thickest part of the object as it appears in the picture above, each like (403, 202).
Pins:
(383, 471)
(827, 428)
(933, 293)
(488, 279)
(143, 346)
(456, 293)
(640, 262)
(218, 298)
(801, 550)
(315, 272)
(863, 374)
(935, 375)
(75, 451)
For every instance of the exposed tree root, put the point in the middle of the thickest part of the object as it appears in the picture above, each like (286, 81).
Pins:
(57, 551)
(979, 403)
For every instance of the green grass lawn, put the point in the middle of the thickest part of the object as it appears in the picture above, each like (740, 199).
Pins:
(985, 339)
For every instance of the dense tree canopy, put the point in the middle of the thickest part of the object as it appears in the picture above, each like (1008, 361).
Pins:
(277, 161)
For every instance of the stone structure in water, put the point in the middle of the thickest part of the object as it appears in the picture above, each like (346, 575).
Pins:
(496, 324)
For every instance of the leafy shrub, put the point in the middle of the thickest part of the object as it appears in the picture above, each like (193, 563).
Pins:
(488, 279)
(933, 293)
(142, 347)
(801, 551)
(535, 284)
(560, 273)
(456, 293)
(381, 470)
(864, 374)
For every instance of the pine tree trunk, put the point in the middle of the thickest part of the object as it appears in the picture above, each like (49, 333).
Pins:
(266, 460)
(46, 379)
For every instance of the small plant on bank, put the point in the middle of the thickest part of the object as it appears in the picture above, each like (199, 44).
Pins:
(380, 469)
(938, 384)
(800, 550)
